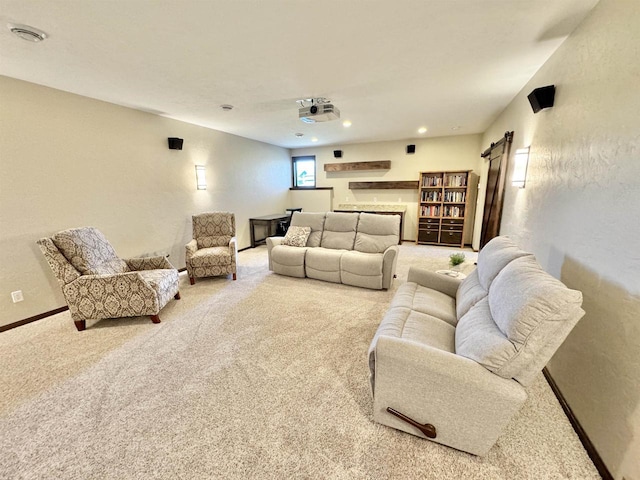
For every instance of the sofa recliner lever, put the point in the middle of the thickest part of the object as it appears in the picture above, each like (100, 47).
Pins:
(426, 428)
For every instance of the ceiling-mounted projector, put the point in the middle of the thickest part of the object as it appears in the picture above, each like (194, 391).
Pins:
(321, 112)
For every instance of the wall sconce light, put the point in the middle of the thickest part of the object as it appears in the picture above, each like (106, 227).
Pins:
(521, 162)
(201, 181)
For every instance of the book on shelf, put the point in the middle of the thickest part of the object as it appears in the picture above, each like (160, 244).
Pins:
(456, 180)
(430, 211)
(455, 196)
(446, 206)
(453, 211)
(431, 181)
(431, 196)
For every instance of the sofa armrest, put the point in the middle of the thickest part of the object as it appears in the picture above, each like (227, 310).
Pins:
(191, 247)
(441, 283)
(468, 405)
(272, 242)
(389, 261)
(110, 296)
(233, 251)
(131, 278)
(147, 263)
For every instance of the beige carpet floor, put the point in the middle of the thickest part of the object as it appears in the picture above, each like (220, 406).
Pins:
(264, 377)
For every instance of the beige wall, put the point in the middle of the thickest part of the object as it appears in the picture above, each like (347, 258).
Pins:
(70, 161)
(312, 200)
(579, 214)
(460, 152)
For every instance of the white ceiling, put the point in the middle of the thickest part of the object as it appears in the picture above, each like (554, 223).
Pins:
(390, 66)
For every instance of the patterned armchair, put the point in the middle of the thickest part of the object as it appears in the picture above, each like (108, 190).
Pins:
(97, 284)
(213, 250)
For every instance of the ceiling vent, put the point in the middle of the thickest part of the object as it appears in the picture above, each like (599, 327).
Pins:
(27, 33)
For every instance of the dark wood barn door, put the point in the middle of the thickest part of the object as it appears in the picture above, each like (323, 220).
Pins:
(497, 155)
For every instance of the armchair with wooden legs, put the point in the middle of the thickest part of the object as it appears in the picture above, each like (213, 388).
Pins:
(214, 249)
(97, 284)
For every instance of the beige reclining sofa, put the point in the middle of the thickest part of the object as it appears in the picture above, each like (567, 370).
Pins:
(359, 249)
(451, 359)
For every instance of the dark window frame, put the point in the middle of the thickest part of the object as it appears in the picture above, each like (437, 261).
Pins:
(294, 176)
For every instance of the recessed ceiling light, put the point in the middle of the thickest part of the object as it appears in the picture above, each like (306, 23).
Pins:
(314, 139)
(299, 134)
(226, 107)
(422, 130)
(346, 123)
(27, 33)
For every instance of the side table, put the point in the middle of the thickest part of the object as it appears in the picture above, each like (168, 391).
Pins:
(452, 273)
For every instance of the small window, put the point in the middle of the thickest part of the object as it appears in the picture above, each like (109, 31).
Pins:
(304, 172)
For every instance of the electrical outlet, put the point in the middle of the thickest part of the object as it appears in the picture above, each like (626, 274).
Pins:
(17, 296)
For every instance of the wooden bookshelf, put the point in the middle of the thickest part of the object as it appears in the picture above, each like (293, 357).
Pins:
(444, 208)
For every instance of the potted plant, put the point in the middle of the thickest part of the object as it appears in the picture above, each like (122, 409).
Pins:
(456, 260)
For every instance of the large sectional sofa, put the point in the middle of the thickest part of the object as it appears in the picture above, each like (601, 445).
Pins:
(359, 249)
(451, 359)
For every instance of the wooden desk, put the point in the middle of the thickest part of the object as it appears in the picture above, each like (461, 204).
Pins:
(269, 221)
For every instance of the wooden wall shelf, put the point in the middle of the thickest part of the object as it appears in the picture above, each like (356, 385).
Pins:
(403, 185)
(348, 167)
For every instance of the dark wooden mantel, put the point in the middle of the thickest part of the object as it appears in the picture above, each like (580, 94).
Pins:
(349, 167)
(400, 184)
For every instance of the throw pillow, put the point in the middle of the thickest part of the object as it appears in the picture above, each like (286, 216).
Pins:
(297, 236)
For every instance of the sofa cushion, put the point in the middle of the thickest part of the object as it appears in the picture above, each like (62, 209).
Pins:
(161, 280)
(296, 236)
(213, 241)
(426, 300)
(89, 251)
(287, 260)
(531, 308)
(479, 338)
(362, 269)
(287, 255)
(211, 256)
(213, 229)
(401, 322)
(523, 296)
(469, 293)
(314, 220)
(323, 264)
(494, 256)
(525, 317)
(376, 233)
(339, 230)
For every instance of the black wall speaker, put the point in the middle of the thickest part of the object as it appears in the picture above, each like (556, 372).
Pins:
(337, 153)
(175, 143)
(542, 98)
(411, 149)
